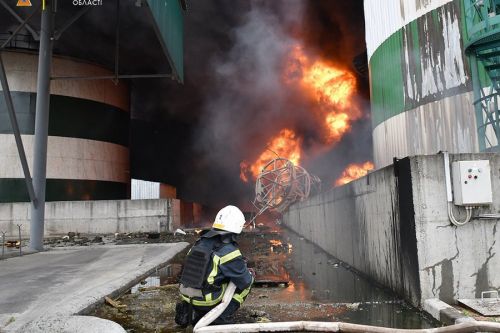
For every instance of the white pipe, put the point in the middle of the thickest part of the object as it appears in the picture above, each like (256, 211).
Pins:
(316, 326)
(217, 311)
(447, 173)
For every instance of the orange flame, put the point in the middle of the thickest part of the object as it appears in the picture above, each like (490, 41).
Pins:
(331, 89)
(353, 172)
(275, 242)
(286, 144)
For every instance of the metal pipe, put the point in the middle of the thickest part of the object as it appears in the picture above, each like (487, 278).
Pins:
(20, 241)
(19, 18)
(42, 126)
(117, 40)
(72, 20)
(317, 326)
(111, 77)
(19, 28)
(476, 84)
(447, 176)
(17, 134)
(3, 244)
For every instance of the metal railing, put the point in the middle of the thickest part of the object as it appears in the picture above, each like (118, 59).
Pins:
(19, 41)
(482, 43)
(18, 242)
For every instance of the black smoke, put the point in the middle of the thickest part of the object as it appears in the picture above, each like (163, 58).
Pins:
(195, 135)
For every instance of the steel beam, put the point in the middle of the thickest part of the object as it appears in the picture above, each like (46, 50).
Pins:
(117, 40)
(111, 77)
(42, 125)
(70, 22)
(19, 28)
(17, 133)
(476, 84)
(20, 19)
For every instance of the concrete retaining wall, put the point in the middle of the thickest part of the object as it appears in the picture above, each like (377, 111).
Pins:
(392, 225)
(95, 217)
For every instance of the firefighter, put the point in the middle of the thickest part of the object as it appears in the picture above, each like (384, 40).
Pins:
(210, 265)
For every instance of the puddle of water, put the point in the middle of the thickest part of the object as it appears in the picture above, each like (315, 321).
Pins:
(164, 276)
(317, 276)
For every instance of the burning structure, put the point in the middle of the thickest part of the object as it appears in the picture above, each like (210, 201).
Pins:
(281, 183)
(329, 92)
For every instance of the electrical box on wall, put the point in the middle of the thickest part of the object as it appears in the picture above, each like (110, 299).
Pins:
(472, 183)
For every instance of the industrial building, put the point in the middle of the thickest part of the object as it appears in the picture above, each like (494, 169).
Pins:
(433, 74)
(433, 80)
(422, 225)
(94, 70)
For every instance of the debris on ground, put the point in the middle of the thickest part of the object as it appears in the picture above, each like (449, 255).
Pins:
(179, 231)
(113, 303)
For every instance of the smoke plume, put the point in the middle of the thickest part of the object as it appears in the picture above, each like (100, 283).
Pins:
(235, 98)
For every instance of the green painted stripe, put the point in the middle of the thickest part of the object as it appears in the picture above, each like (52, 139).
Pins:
(70, 117)
(388, 68)
(14, 190)
(386, 79)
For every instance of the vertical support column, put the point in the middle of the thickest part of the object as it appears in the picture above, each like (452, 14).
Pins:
(42, 126)
(476, 84)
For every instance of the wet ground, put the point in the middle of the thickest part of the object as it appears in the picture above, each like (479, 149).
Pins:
(295, 281)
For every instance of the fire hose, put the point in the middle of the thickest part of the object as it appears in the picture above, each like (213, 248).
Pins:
(317, 326)
(217, 311)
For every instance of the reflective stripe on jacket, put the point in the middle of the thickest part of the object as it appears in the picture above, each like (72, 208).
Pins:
(227, 265)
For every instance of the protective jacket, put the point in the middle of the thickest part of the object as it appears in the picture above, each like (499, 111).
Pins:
(227, 264)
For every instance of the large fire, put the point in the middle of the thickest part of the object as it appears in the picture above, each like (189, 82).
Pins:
(330, 89)
(353, 172)
(286, 144)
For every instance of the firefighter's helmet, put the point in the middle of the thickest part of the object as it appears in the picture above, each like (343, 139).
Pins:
(229, 218)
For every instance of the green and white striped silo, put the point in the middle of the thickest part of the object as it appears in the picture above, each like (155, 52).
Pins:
(428, 82)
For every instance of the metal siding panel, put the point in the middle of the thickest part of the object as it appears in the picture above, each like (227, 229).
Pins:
(170, 24)
(384, 17)
(386, 81)
(142, 189)
(421, 63)
(448, 124)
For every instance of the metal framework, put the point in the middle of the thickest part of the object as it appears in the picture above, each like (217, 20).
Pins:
(46, 36)
(483, 48)
(282, 183)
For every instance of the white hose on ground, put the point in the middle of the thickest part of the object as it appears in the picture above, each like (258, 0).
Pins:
(217, 311)
(317, 326)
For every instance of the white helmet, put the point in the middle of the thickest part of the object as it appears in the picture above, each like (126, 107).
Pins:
(229, 218)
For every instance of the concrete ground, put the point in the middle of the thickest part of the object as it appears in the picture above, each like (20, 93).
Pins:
(37, 288)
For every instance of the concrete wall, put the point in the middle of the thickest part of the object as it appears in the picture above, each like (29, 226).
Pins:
(392, 225)
(95, 217)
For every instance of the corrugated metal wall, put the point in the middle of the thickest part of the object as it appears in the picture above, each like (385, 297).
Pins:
(142, 189)
(419, 79)
(385, 17)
